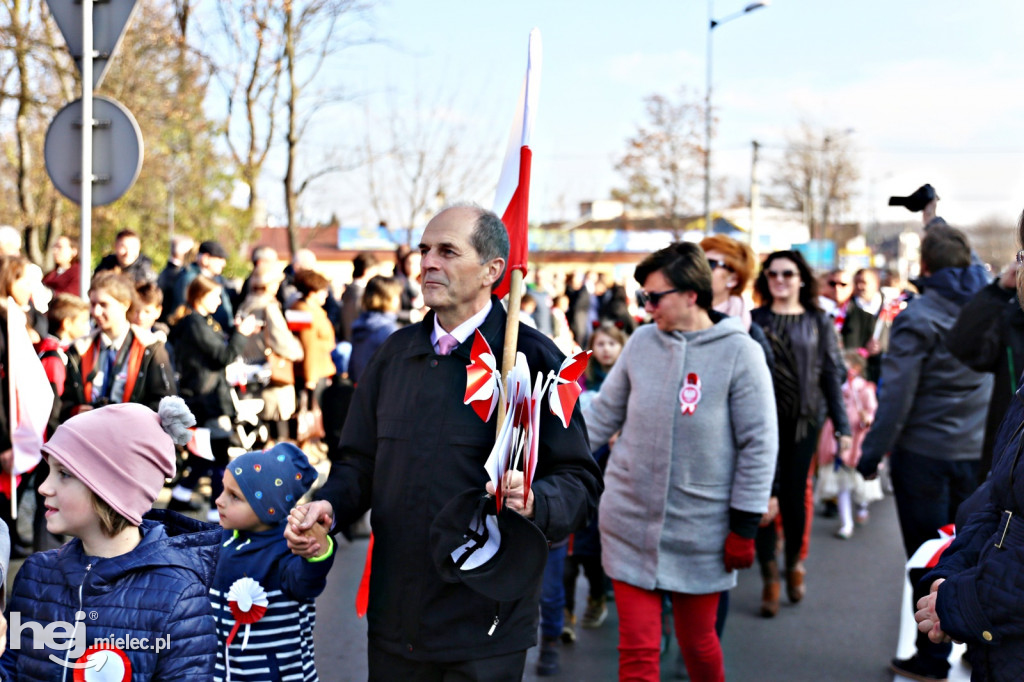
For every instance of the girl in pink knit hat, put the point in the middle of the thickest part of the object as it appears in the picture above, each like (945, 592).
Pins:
(131, 591)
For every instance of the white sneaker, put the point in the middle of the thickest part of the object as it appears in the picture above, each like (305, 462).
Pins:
(844, 532)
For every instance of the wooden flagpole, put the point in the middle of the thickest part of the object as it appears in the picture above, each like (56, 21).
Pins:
(508, 355)
(12, 401)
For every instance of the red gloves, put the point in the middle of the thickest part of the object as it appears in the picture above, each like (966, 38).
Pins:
(739, 552)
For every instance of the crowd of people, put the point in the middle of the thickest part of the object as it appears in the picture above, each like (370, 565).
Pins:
(727, 402)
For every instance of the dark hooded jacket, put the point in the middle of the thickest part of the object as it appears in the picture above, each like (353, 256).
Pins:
(930, 403)
(369, 331)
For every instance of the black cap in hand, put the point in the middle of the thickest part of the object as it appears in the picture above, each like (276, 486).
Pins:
(921, 197)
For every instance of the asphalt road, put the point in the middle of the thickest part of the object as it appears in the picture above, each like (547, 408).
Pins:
(846, 629)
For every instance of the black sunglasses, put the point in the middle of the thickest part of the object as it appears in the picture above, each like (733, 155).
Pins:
(837, 283)
(652, 297)
(780, 274)
(715, 263)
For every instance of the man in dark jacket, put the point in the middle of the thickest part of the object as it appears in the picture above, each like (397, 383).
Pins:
(119, 363)
(977, 590)
(128, 259)
(989, 337)
(210, 262)
(181, 245)
(931, 416)
(410, 445)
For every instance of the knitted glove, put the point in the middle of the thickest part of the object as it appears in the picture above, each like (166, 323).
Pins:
(739, 552)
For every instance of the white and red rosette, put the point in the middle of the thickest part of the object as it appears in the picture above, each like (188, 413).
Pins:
(103, 664)
(248, 603)
(689, 394)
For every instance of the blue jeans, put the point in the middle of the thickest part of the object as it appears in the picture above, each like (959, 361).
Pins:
(928, 492)
(552, 593)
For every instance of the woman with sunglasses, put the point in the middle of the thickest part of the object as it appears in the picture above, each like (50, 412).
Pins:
(690, 474)
(807, 374)
(732, 265)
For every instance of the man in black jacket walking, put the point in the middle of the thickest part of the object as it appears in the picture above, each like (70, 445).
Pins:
(410, 445)
(931, 416)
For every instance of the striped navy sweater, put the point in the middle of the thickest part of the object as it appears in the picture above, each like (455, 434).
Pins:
(280, 644)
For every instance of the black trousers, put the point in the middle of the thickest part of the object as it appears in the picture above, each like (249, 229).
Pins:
(595, 578)
(928, 492)
(387, 667)
(794, 464)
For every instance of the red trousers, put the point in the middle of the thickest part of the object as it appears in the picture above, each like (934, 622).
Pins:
(640, 634)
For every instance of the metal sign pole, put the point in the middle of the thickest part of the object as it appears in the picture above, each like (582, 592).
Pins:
(85, 247)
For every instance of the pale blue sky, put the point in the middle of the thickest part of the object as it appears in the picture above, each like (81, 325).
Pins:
(932, 88)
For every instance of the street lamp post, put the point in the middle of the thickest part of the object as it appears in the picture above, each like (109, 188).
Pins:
(712, 23)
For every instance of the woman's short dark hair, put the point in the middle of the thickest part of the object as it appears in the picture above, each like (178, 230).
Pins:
(310, 281)
(685, 265)
(809, 283)
(380, 293)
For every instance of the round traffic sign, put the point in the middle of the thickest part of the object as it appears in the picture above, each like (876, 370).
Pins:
(116, 151)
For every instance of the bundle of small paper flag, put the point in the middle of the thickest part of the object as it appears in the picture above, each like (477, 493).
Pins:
(518, 439)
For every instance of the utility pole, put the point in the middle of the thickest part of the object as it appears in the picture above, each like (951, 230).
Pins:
(755, 195)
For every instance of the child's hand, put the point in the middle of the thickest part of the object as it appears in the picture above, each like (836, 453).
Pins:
(302, 519)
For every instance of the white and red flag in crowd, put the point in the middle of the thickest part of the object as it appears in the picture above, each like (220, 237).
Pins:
(31, 400)
(512, 198)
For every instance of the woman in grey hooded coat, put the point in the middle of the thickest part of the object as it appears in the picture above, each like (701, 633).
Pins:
(690, 475)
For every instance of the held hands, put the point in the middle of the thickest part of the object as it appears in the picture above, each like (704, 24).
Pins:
(308, 525)
(926, 617)
(512, 493)
(739, 552)
(318, 534)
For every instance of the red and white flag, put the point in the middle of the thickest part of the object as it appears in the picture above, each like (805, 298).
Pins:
(31, 399)
(512, 198)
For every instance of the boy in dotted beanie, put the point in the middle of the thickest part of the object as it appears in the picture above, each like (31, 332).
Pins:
(262, 593)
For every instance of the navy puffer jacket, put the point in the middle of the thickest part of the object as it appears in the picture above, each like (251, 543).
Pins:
(157, 590)
(982, 598)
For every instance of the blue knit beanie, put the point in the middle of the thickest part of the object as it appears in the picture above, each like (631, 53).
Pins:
(273, 480)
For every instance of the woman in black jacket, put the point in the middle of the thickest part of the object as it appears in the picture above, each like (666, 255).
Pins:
(807, 376)
(203, 351)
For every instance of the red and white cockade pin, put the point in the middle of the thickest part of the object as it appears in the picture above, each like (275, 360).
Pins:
(689, 394)
(248, 602)
(103, 664)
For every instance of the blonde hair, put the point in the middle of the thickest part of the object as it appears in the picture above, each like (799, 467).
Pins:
(111, 523)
